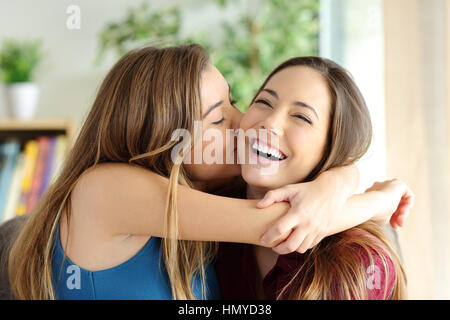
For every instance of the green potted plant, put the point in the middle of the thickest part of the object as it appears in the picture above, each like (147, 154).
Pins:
(18, 62)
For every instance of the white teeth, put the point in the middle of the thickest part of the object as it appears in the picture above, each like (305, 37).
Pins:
(265, 149)
(275, 153)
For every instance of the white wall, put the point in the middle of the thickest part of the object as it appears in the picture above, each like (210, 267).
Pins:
(352, 35)
(432, 33)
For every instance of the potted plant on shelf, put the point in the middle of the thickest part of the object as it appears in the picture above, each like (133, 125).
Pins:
(18, 61)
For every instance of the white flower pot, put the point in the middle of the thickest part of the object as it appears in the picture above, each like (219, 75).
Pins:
(22, 99)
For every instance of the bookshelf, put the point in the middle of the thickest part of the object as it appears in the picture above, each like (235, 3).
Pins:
(31, 154)
(29, 129)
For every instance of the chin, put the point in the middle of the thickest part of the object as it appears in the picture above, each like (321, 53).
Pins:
(254, 177)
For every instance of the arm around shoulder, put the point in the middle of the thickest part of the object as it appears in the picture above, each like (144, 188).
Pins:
(128, 199)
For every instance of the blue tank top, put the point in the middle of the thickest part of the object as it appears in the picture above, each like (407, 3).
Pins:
(143, 277)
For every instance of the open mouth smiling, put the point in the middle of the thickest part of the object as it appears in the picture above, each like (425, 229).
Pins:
(266, 151)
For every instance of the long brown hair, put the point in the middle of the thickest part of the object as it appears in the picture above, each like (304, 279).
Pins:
(148, 93)
(334, 269)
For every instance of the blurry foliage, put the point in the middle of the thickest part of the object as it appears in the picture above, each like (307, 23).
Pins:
(266, 33)
(18, 60)
(140, 26)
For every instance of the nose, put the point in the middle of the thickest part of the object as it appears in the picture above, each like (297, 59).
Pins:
(272, 124)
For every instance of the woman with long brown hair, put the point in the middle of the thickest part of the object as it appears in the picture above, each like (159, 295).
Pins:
(97, 231)
(319, 119)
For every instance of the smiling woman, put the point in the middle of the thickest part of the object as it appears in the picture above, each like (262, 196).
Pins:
(320, 120)
(293, 121)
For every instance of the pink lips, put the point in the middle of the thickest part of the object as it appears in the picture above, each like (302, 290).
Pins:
(254, 158)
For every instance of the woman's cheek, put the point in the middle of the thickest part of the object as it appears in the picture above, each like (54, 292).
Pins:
(249, 118)
(308, 151)
(301, 153)
(227, 144)
(217, 145)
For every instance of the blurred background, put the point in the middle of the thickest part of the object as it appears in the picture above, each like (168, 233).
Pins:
(54, 55)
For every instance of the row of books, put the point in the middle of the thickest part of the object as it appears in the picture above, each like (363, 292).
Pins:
(26, 171)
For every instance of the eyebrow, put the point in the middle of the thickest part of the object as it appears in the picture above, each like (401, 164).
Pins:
(302, 104)
(296, 103)
(271, 92)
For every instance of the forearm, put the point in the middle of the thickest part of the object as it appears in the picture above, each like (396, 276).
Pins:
(141, 210)
(226, 219)
(358, 209)
(345, 178)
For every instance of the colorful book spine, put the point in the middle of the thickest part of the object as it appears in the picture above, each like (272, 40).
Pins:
(11, 150)
(31, 152)
(2, 166)
(14, 190)
(2, 163)
(60, 155)
(44, 143)
(48, 167)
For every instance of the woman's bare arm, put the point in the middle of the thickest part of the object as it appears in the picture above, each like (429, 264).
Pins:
(127, 199)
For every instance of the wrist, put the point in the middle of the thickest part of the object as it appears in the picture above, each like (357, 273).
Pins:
(379, 204)
(334, 181)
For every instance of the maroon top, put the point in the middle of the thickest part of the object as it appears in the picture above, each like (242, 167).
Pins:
(237, 273)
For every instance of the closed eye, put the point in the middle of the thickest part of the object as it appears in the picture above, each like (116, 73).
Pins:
(219, 121)
(264, 102)
(303, 118)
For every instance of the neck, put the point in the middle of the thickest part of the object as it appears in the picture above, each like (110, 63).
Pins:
(254, 192)
(266, 258)
(209, 186)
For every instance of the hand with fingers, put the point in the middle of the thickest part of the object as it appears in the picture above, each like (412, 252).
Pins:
(316, 210)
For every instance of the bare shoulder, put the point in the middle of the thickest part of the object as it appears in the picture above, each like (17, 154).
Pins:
(95, 185)
(98, 206)
(113, 174)
(106, 169)
(111, 193)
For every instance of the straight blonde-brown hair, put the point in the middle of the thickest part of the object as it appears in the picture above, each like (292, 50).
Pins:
(148, 94)
(334, 268)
